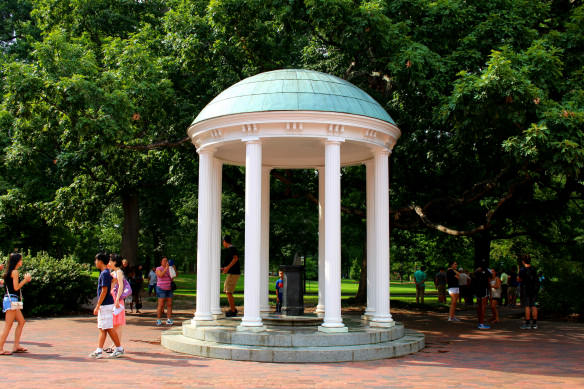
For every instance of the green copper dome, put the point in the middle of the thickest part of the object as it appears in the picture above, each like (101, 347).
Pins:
(293, 90)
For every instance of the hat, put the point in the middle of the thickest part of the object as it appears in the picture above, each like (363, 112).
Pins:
(461, 269)
(171, 262)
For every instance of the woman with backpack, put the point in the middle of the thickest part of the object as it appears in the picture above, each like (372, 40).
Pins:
(10, 303)
(120, 289)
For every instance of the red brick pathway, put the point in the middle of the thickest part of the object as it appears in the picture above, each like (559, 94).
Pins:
(457, 355)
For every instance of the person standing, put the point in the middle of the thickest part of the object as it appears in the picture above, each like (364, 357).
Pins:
(463, 284)
(279, 288)
(496, 291)
(504, 288)
(420, 280)
(440, 283)
(137, 287)
(512, 290)
(104, 309)
(164, 292)
(529, 290)
(13, 285)
(481, 290)
(230, 266)
(452, 276)
(152, 279)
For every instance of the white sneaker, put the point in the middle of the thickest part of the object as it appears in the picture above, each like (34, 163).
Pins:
(169, 322)
(96, 355)
(117, 353)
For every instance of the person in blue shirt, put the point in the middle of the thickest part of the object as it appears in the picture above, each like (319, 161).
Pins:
(279, 289)
(104, 309)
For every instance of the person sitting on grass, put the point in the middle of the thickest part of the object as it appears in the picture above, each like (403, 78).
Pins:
(279, 288)
(13, 285)
(104, 309)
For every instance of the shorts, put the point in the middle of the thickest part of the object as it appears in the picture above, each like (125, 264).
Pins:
(528, 301)
(482, 293)
(164, 294)
(230, 283)
(441, 289)
(105, 317)
(453, 291)
(7, 302)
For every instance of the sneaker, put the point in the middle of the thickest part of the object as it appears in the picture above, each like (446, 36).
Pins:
(109, 350)
(96, 355)
(158, 323)
(484, 327)
(453, 319)
(534, 326)
(117, 353)
(231, 313)
(169, 322)
(525, 326)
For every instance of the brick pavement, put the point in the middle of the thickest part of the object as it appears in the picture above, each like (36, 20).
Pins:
(457, 355)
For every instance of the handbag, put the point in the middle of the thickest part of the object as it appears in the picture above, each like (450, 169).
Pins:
(125, 292)
(14, 305)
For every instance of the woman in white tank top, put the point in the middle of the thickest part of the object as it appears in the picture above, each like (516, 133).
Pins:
(495, 295)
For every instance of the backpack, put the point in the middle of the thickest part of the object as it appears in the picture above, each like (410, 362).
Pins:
(127, 291)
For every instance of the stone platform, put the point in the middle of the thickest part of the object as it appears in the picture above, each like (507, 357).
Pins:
(293, 344)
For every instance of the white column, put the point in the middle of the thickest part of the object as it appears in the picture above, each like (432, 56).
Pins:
(216, 242)
(321, 255)
(332, 213)
(253, 215)
(382, 317)
(204, 236)
(371, 259)
(265, 257)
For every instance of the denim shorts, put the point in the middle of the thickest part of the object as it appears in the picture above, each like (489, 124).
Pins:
(164, 294)
(7, 301)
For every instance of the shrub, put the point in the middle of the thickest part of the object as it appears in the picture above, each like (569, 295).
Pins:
(58, 285)
(563, 296)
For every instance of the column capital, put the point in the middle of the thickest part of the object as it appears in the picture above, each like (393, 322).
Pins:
(206, 151)
(334, 140)
(382, 152)
(252, 140)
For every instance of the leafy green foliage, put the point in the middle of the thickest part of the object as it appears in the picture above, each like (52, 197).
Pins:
(58, 285)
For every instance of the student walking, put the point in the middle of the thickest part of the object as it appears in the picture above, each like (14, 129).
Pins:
(164, 292)
(117, 290)
(104, 309)
(452, 276)
(13, 311)
(420, 280)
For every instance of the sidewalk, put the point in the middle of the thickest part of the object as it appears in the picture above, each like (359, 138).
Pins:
(457, 355)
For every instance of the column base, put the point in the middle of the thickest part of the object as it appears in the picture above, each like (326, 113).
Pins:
(265, 309)
(204, 323)
(216, 311)
(319, 308)
(331, 330)
(244, 328)
(384, 322)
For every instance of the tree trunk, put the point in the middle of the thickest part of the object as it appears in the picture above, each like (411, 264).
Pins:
(482, 250)
(131, 227)
(361, 297)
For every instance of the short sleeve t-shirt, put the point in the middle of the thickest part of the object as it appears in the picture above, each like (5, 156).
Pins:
(451, 279)
(279, 286)
(441, 278)
(504, 279)
(529, 281)
(105, 279)
(420, 277)
(165, 281)
(227, 255)
(152, 277)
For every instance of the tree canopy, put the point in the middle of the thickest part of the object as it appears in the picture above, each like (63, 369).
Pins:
(95, 98)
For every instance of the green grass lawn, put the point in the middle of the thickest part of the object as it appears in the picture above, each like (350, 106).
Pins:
(403, 292)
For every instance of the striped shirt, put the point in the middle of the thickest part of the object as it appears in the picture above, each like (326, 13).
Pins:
(164, 281)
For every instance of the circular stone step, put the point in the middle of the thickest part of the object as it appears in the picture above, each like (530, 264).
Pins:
(279, 336)
(292, 321)
(413, 341)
